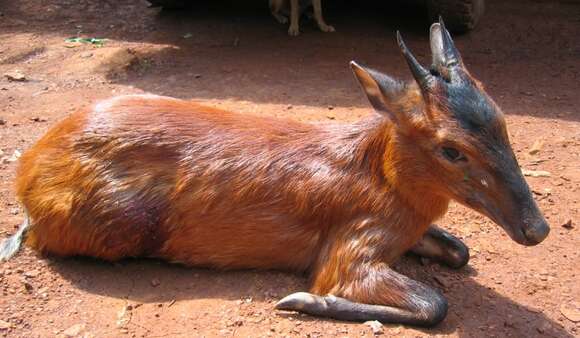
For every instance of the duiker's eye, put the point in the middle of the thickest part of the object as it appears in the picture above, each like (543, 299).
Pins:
(453, 154)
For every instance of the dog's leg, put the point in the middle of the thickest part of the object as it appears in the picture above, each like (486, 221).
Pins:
(294, 29)
(443, 247)
(276, 9)
(318, 17)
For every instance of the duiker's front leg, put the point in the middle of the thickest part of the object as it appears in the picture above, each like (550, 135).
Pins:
(352, 281)
(378, 294)
(442, 246)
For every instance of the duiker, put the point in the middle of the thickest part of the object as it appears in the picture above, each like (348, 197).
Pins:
(150, 176)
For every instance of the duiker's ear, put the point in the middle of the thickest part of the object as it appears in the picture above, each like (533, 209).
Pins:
(382, 91)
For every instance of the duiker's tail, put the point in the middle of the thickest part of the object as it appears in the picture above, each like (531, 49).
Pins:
(10, 246)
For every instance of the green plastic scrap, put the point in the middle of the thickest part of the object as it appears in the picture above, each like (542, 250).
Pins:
(92, 41)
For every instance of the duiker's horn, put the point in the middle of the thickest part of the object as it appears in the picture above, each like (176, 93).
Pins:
(446, 57)
(423, 77)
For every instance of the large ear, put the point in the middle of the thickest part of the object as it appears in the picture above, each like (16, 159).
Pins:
(383, 92)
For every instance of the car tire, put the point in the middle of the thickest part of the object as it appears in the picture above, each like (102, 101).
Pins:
(460, 16)
(169, 4)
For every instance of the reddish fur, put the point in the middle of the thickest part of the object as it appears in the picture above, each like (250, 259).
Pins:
(159, 177)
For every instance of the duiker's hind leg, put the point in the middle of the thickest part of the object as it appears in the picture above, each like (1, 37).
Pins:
(381, 294)
(443, 247)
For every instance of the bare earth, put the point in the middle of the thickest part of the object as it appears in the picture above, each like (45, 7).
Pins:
(237, 57)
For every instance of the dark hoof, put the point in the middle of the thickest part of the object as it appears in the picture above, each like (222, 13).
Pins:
(458, 256)
(435, 312)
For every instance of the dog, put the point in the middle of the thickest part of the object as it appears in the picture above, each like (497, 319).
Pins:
(282, 9)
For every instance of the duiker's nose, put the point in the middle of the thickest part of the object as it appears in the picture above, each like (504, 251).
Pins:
(536, 232)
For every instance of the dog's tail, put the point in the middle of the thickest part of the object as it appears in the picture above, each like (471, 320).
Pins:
(10, 246)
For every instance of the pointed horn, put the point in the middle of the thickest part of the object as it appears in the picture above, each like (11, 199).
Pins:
(436, 42)
(423, 77)
(450, 53)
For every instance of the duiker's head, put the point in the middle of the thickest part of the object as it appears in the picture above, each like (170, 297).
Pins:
(452, 138)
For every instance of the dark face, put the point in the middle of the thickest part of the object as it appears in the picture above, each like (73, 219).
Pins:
(475, 157)
(458, 137)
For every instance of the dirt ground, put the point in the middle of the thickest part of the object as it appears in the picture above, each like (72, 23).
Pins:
(237, 57)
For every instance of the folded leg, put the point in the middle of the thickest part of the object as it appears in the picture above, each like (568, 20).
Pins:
(352, 281)
(382, 295)
(442, 246)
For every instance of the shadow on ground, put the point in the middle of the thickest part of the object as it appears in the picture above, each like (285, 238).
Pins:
(469, 301)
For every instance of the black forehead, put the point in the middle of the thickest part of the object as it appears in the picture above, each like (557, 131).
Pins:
(471, 107)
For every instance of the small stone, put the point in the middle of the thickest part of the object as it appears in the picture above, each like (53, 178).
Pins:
(27, 287)
(155, 282)
(124, 316)
(536, 147)
(568, 225)
(197, 76)
(441, 281)
(38, 119)
(15, 156)
(31, 274)
(86, 55)
(571, 311)
(375, 326)
(74, 330)
(2, 122)
(534, 310)
(330, 107)
(536, 173)
(543, 328)
(509, 323)
(15, 76)
(4, 325)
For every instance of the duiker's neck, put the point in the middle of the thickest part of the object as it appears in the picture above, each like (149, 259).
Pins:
(372, 149)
